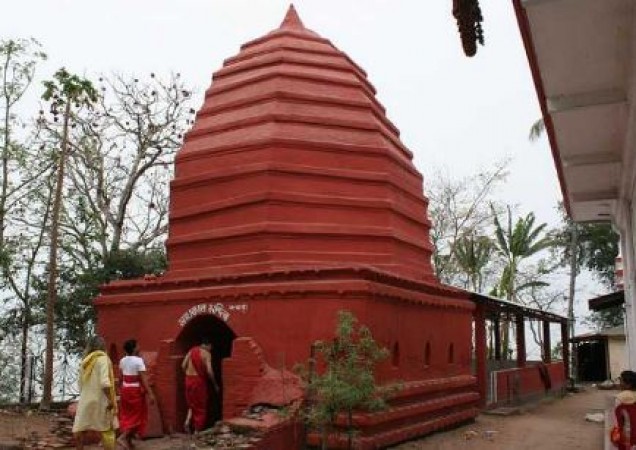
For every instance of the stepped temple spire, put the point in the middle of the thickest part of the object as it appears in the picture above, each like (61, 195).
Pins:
(292, 19)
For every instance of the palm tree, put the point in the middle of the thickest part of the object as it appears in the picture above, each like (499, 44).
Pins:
(472, 254)
(537, 130)
(517, 243)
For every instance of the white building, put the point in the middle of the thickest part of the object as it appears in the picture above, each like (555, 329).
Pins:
(582, 54)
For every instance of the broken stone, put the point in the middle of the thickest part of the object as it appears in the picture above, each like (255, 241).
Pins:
(11, 445)
(595, 417)
(490, 434)
(468, 435)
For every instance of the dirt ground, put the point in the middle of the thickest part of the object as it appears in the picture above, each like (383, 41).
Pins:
(14, 427)
(551, 425)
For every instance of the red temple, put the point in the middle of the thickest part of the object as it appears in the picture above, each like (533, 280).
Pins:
(294, 198)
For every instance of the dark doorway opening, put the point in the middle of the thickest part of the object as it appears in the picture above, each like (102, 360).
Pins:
(221, 336)
(592, 360)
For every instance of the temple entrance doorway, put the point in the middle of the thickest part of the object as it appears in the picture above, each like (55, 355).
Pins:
(221, 337)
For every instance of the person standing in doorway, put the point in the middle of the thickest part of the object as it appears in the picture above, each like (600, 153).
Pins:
(197, 366)
(97, 408)
(133, 411)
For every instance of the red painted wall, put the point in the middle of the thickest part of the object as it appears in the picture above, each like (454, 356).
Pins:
(519, 384)
(286, 318)
(284, 313)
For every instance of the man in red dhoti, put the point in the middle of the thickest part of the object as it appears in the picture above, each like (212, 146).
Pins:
(133, 411)
(197, 365)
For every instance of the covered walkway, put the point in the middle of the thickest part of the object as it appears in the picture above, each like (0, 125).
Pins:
(505, 377)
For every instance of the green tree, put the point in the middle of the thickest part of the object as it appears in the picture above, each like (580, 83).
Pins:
(607, 318)
(537, 130)
(473, 253)
(591, 246)
(65, 92)
(74, 310)
(348, 382)
(516, 243)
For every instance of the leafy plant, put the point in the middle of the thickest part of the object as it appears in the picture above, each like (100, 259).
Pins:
(347, 383)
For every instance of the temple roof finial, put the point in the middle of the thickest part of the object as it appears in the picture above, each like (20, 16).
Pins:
(292, 20)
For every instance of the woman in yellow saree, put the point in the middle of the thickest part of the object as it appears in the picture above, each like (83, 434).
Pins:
(97, 407)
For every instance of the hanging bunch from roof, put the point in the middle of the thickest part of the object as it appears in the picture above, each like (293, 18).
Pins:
(469, 19)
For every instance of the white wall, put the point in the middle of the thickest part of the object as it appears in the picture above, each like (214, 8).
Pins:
(617, 356)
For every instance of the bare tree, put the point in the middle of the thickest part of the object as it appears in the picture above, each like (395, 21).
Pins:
(121, 166)
(544, 299)
(21, 176)
(19, 60)
(114, 218)
(88, 184)
(459, 209)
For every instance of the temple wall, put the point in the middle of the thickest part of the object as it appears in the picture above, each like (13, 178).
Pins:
(285, 325)
(517, 385)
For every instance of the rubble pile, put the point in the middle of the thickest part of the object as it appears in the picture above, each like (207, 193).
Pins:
(60, 435)
(257, 412)
(222, 437)
(61, 429)
(27, 434)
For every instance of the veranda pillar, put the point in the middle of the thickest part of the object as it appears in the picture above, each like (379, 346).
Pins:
(521, 341)
(547, 346)
(481, 354)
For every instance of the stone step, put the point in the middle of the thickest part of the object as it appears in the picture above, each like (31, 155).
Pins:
(398, 434)
(405, 421)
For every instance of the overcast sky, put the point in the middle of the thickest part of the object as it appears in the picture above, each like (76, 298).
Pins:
(453, 111)
(462, 113)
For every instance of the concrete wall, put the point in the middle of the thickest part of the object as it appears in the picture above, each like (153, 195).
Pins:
(617, 356)
(625, 220)
(627, 228)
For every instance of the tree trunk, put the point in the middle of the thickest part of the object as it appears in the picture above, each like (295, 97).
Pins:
(350, 429)
(5, 155)
(53, 269)
(23, 354)
(3, 200)
(505, 339)
(325, 438)
(511, 296)
(573, 273)
(309, 398)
